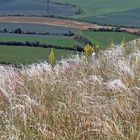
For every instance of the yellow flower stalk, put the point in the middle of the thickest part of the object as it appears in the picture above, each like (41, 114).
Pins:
(88, 50)
(52, 57)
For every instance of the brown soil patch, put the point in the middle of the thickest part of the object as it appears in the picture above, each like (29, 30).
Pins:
(56, 22)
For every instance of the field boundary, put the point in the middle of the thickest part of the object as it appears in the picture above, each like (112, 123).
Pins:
(40, 45)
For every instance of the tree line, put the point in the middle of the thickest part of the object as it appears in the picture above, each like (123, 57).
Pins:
(113, 29)
(41, 45)
(20, 31)
(69, 33)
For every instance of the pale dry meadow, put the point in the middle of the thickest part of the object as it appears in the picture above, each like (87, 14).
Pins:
(77, 99)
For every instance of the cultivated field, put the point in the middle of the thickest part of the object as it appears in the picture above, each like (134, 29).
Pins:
(56, 27)
(39, 28)
(56, 22)
(119, 12)
(34, 7)
(19, 55)
(118, 18)
(104, 39)
(59, 41)
(48, 21)
(26, 55)
(100, 11)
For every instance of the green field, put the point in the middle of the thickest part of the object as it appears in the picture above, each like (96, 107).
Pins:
(102, 10)
(37, 28)
(103, 39)
(34, 7)
(119, 12)
(59, 41)
(27, 55)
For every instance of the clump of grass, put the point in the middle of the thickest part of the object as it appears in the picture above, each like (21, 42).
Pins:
(73, 100)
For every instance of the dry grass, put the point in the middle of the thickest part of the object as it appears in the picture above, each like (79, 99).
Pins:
(78, 99)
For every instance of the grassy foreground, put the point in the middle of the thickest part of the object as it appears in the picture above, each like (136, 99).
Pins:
(77, 99)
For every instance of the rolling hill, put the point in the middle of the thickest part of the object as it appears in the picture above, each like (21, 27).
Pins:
(121, 12)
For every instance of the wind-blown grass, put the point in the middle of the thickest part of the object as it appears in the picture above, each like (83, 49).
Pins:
(77, 99)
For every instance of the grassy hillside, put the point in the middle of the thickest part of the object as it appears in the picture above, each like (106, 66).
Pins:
(62, 41)
(98, 7)
(119, 12)
(34, 7)
(77, 99)
(108, 11)
(103, 39)
(118, 18)
(27, 55)
(36, 28)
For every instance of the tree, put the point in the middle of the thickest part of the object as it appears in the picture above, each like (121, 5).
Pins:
(5, 30)
(17, 31)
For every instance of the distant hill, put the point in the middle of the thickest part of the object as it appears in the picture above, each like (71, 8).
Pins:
(34, 7)
(120, 12)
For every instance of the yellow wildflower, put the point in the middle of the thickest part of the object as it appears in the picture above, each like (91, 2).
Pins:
(52, 57)
(88, 50)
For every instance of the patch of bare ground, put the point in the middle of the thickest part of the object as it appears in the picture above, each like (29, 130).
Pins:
(57, 22)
